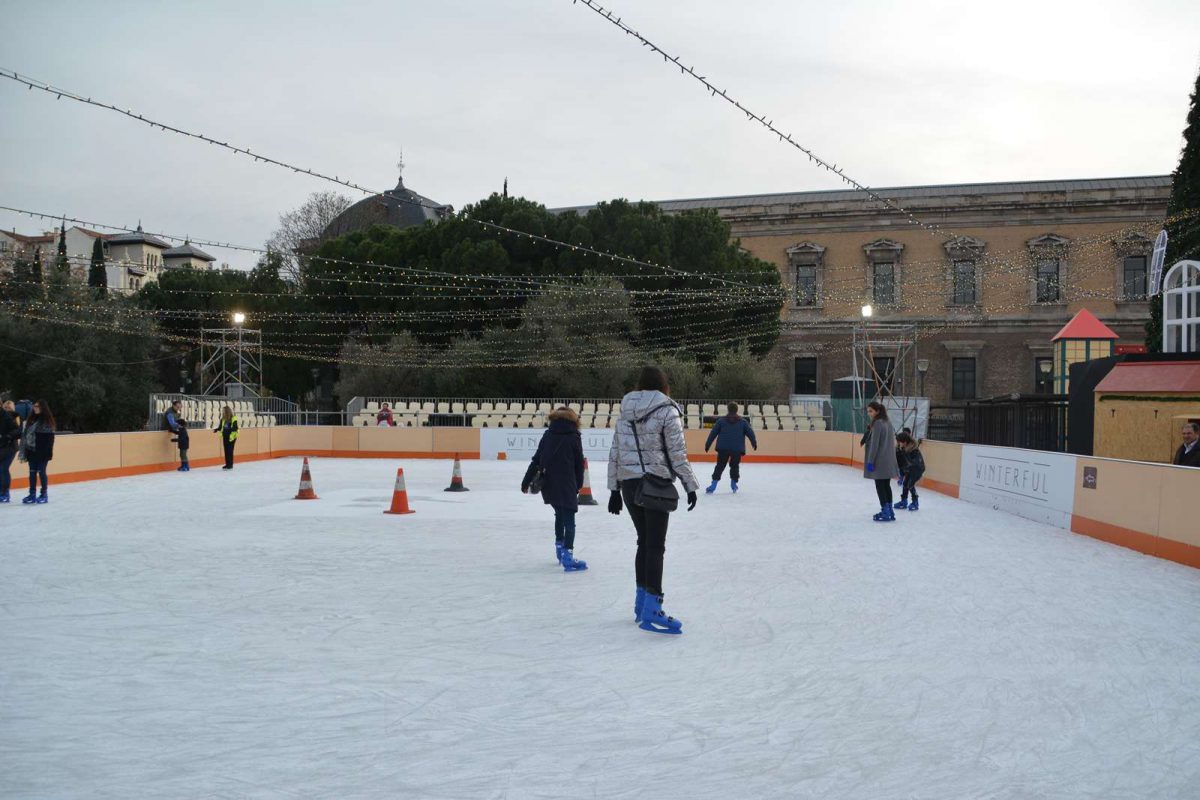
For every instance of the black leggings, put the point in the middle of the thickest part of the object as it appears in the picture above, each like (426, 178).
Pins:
(228, 454)
(883, 488)
(651, 539)
(910, 487)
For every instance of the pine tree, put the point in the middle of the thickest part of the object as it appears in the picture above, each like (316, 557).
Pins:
(35, 269)
(97, 273)
(62, 264)
(1183, 213)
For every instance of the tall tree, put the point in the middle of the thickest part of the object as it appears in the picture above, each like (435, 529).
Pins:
(62, 264)
(35, 268)
(303, 226)
(1183, 210)
(97, 272)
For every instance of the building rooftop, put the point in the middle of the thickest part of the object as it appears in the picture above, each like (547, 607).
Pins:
(187, 250)
(1084, 325)
(138, 237)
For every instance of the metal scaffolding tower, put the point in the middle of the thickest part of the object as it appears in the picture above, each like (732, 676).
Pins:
(884, 362)
(231, 361)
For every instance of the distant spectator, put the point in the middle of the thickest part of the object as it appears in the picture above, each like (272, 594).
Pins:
(177, 425)
(10, 435)
(1188, 454)
(37, 450)
(228, 428)
(384, 418)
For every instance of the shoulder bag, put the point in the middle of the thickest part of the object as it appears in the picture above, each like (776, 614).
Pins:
(654, 493)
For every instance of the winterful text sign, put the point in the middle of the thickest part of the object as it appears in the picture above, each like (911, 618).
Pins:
(519, 444)
(1030, 483)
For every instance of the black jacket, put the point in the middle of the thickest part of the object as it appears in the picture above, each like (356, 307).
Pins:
(914, 465)
(560, 453)
(1191, 459)
(10, 433)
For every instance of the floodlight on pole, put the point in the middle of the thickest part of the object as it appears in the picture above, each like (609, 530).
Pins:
(238, 318)
(867, 311)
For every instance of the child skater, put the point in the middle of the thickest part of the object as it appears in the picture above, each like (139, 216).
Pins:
(556, 470)
(177, 425)
(913, 471)
(880, 459)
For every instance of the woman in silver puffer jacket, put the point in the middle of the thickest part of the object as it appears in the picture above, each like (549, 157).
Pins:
(649, 440)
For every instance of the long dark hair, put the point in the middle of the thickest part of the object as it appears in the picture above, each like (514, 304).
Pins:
(880, 410)
(652, 379)
(45, 416)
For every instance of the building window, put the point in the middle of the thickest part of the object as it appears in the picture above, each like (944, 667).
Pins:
(806, 376)
(885, 374)
(964, 283)
(883, 289)
(962, 379)
(1133, 272)
(1048, 281)
(1043, 375)
(806, 285)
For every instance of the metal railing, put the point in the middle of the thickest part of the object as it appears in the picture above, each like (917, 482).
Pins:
(1033, 422)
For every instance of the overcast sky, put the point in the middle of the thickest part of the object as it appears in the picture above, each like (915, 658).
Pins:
(570, 110)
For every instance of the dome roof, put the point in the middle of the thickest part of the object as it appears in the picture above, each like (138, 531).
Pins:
(400, 208)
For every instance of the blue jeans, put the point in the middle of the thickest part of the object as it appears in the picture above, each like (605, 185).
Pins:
(6, 473)
(564, 527)
(34, 472)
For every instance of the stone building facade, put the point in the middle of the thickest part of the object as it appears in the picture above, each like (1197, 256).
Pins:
(1010, 264)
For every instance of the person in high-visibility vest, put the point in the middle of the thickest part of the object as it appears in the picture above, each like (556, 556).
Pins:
(228, 428)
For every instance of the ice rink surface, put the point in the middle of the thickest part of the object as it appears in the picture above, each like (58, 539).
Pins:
(204, 635)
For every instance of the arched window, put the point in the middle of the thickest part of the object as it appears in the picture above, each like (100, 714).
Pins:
(1181, 308)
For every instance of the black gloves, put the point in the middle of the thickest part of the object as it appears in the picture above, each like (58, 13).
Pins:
(614, 503)
(691, 500)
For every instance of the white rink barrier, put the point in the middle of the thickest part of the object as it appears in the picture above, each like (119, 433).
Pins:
(519, 444)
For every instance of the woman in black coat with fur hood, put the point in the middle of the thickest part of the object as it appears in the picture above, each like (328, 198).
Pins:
(557, 471)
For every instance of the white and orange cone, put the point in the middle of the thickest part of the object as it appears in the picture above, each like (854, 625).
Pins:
(306, 488)
(400, 496)
(585, 493)
(456, 480)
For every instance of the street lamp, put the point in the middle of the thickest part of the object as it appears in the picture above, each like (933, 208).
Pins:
(1045, 365)
(922, 368)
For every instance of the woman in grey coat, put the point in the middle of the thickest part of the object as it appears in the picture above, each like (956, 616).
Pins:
(880, 459)
(649, 440)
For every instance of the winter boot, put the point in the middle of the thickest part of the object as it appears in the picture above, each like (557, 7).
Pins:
(885, 514)
(712, 487)
(902, 504)
(913, 506)
(733, 484)
(654, 619)
(29, 499)
(42, 499)
(571, 564)
(638, 603)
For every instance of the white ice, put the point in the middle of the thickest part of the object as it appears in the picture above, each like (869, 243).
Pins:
(204, 635)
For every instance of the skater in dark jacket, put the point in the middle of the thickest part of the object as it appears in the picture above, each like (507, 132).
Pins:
(558, 463)
(37, 450)
(228, 428)
(880, 459)
(914, 470)
(10, 435)
(177, 425)
(730, 434)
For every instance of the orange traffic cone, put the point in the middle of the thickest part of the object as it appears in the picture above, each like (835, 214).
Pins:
(585, 494)
(306, 488)
(400, 496)
(456, 481)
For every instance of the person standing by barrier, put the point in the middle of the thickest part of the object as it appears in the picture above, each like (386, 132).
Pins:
(880, 459)
(10, 436)
(1188, 454)
(177, 425)
(228, 428)
(37, 450)
(913, 470)
(648, 453)
(730, 434)
(556, 471)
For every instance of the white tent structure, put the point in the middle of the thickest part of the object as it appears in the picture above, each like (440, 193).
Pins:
(1181, 308)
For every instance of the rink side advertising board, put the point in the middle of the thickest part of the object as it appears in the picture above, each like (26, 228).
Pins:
(519, 444)
(1029, 483)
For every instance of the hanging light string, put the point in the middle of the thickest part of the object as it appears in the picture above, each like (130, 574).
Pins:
(762, 120)
(59, 93)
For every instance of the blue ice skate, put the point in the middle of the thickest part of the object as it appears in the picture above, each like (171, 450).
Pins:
(902, 504)
(571, 564)
(734, 485)
(4, 498)
(558, 551)
(712, 487)
(914, 506)
(42, 499)
(885, 514)
(655, 620)
(638, 603)
(29, 500)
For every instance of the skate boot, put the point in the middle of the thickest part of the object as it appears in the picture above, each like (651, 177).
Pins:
(885, 514)
(558, 551)
(29, 500)
(712, 487)
(42, 499)
(733, 485)
(571, 564)
(913, 506)
(638, 603)
(4, 498)
(902, 504)
(655, 620)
